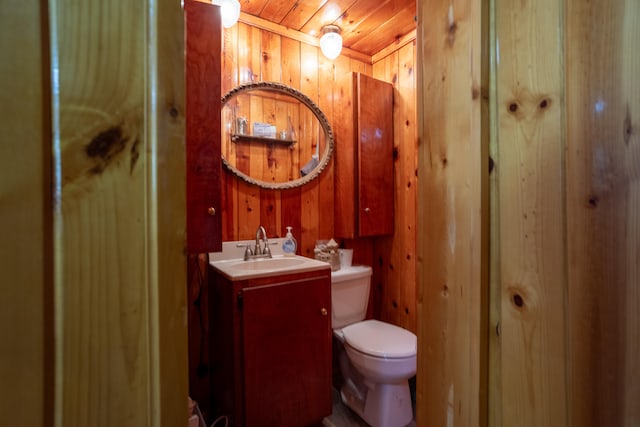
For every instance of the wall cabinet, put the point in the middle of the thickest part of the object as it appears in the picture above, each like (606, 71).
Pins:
(364, 200)
(203, 34)
(203, 108)
(271, 349)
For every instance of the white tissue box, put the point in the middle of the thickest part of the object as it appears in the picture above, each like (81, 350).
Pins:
(264, 129)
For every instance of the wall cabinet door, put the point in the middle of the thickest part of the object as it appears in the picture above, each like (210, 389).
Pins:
(203, 107)
(287, 353)
(364, 200)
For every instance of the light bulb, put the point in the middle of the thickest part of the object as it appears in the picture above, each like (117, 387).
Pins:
(230, 11)
(331, 41)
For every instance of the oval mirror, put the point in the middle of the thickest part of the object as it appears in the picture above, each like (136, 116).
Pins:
(274, 136)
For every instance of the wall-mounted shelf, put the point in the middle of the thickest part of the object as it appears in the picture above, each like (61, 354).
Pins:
(266, 140)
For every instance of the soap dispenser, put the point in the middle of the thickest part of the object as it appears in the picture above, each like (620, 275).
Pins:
(289, 245)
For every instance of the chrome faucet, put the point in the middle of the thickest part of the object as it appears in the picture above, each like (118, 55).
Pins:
(257, 252)
(265, 251)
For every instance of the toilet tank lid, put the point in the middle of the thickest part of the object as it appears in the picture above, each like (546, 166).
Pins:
(350, 273)
(381, 339)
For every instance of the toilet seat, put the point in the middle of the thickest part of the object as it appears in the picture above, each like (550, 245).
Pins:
(380, 339)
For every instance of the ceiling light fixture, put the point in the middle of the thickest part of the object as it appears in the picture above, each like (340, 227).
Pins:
(229, 10)
(331, 41)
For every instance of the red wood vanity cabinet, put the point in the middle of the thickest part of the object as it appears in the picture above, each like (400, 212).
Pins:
(364, 201)
(271, 349)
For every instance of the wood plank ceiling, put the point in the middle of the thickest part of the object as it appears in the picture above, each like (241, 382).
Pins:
(367, 26)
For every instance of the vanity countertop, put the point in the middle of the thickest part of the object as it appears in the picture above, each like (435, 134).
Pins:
(230, 262)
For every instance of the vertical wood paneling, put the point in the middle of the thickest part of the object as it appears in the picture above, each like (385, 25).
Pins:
(629, 291)
(102, 326)
(250, 65)
(603, 211)
(309, 193)
(120, 216)
(26, 319)
(310, 209)
(325, 90)
(271, 57)
(396, 290)
(530, 164)
(405, 129)
(385, 289)
(291, 58)
(450, 223)
(262, 55)
(231, 77)
(166, 287)
(290, 214)
(248, 210)
(271, 70)
(566, 346)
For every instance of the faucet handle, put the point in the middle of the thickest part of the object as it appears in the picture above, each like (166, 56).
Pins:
(248, 253)
(267, 251)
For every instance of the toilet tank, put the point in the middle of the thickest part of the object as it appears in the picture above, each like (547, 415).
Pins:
(349, 295)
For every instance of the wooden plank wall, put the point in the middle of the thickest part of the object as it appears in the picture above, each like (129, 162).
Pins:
(26, 283)
(254, 54)
(269, 56)
(565, 217)
(119, 213)
(567, 214)
(92, 214)
(394, 285)
(530, 216)
(603, 211)
(452, 164)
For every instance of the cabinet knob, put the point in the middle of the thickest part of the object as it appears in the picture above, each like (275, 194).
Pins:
(323, 311)
(211, 211)
(367, 210)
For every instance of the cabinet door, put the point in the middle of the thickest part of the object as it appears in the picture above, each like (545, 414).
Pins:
(203, 106)
(345, 158)
(287, 353)
(364, 201)
(375, 156)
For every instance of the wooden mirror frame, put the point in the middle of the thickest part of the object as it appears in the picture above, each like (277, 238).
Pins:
(317, 112)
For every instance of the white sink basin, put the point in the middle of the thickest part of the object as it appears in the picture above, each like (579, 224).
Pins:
(262, 264)
(231, 265)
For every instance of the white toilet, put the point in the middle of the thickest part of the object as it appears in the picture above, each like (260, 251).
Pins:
(380, 357)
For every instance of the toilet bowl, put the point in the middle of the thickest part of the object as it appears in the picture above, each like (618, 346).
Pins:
(376, 358)
(381, 351)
